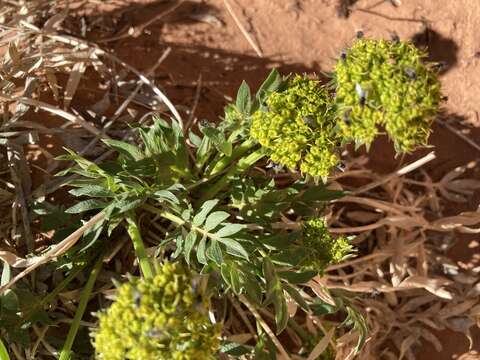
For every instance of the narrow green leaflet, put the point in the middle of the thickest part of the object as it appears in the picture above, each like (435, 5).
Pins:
(215, 218)
(320, 193)
(295, 295)
(3, 351)
(229, 230)
(86, 205)
(275, 295)
(214, 252)
(205, 209)
(234, 349)
(218, 139)
(297, 277)
(356, 319)
(271, 83)
(234, 246)
(131, 151)
(201, 256)
(92, 190)
(188, 245)
(244, 101)
(166, 195)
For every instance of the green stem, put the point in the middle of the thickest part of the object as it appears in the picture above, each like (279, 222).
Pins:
(66, 352)
(138, 246)
(176, 219)
(238, 152)
(165, 214)
(242, 165)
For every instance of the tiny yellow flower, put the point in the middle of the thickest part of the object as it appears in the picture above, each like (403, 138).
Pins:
(157, 319)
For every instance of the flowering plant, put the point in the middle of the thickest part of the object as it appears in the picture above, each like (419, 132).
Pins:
(257, 241)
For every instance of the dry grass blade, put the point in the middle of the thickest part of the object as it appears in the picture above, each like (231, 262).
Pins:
(401, 268)
(266, 328)
(55, 251)
(321, 345)
(242, 28)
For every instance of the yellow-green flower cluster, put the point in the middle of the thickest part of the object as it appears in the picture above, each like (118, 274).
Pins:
(321, 248)
(159, 318)
(298, 127)
(386, 84)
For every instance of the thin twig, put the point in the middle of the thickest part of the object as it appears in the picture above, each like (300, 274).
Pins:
(242, 29)
(198, 92)
(55, 251)
(404, 170)
(459, 134)
(137, 31)
(265, 327)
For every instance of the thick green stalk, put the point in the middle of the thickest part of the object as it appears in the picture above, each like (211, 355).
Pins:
(238, 152)
(242, 165)
(139, 247)
(66, 352)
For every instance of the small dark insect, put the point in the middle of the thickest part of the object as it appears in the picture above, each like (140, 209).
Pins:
(155, 333)
(137, 298)
(395, 38)
(360, 34)
(343, 55)
(444, 98)
(206, 123)
(346, 116)
(361, 93)
(439, 66)
(411, 73)
(375, 292)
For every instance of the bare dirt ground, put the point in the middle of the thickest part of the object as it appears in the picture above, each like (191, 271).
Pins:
(210, 56)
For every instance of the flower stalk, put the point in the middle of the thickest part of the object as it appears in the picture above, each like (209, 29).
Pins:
(139, 246)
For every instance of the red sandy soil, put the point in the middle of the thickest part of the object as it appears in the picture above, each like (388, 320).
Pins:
(305, 36)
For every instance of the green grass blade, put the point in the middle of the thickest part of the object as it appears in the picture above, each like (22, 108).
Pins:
(66, 352)
(3, 352)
